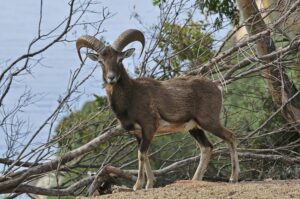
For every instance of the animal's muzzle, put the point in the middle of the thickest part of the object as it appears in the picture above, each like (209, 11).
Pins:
(112, 78)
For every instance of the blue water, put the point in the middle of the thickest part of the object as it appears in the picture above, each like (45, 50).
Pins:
(48, 80)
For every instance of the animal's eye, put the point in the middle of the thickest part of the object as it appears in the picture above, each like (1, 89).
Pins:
(100, 60)
(104, 54)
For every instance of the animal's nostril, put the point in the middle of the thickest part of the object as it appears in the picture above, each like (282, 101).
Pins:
(111, 76)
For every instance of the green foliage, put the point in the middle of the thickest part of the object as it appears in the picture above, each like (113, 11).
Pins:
(156, 2)
(247, 109)
(84, 125)
(79, 128)
(196, 44)
(247, 106)
(187, 44)
(221, 8)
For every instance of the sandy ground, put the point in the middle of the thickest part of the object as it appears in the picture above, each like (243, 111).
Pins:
(195, 189)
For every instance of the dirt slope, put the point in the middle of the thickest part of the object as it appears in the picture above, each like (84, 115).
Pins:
(195, 189)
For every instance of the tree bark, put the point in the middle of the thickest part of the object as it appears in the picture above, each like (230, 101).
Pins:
(278, 83)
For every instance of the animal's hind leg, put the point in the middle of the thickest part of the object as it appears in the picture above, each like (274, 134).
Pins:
(232, 145)
(206, 152)
(228, 136)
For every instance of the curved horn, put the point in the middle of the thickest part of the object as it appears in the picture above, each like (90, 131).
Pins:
(127, 37)
(88, 42)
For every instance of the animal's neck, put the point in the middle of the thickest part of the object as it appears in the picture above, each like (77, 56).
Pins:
(124, 78)
(119, 94)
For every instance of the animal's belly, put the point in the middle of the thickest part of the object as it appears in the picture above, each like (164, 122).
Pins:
(167, 127)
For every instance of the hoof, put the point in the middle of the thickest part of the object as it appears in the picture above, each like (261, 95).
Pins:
(137, 187)
(233, 180)
(197, 178)
(149, 185)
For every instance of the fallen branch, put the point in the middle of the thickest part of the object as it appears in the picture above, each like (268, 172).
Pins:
(104, 174)
(9, 183)
(7, 161)
(108, 172)
(70, 191)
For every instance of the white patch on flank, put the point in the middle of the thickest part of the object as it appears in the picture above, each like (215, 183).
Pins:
(167, 127)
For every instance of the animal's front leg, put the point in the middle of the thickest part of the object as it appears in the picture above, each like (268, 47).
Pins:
(143, 143)
(149, 173)
(141, 174)
(144, 164)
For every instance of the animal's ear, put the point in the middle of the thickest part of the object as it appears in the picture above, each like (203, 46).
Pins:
(127, 53)
(92, 56)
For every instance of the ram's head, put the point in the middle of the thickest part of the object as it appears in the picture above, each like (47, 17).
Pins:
(110, 57)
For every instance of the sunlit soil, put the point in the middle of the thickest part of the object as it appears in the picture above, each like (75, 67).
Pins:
(195, 189)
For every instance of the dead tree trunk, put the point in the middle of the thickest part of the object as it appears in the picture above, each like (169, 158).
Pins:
(278, 83)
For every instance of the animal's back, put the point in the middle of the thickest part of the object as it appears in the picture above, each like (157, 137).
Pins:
(182, 98)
